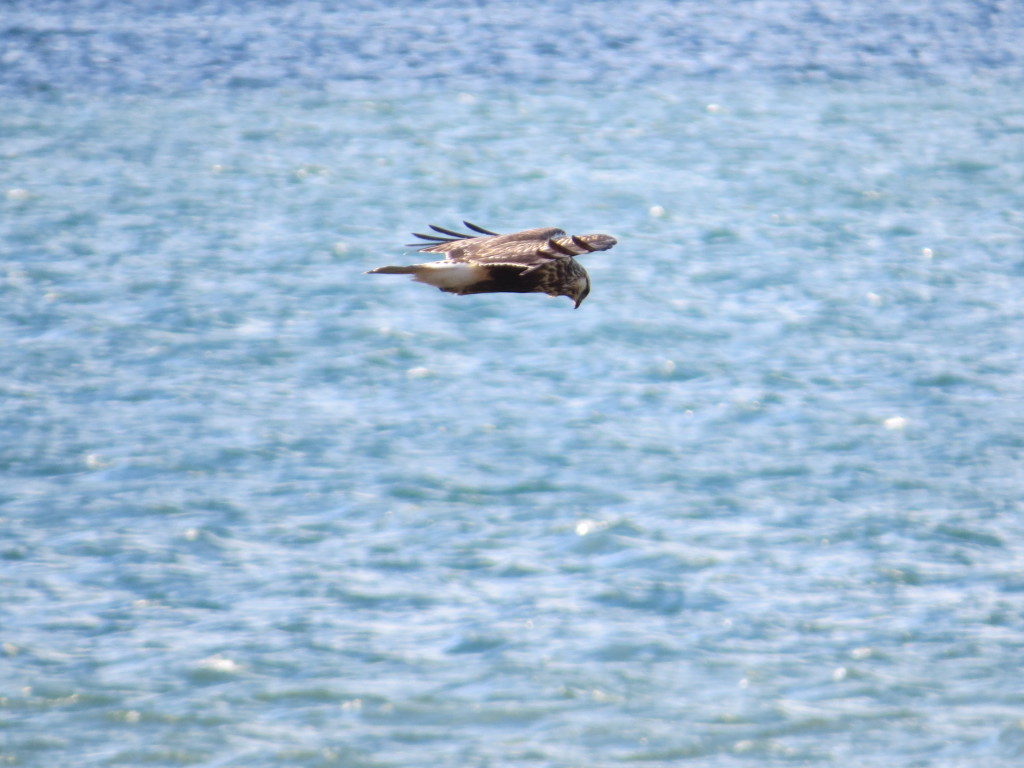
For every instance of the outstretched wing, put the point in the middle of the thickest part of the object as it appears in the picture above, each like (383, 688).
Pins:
(530, 248)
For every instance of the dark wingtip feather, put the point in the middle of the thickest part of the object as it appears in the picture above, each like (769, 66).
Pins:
(577, 241)
(556, 246)
(481, 230)
(451, 232)
(452, 235)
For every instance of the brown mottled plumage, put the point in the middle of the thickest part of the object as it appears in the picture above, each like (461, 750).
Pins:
(532, 261)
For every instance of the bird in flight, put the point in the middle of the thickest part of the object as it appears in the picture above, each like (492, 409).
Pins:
(532, 261)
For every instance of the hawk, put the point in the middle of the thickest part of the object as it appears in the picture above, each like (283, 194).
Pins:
(532, 261)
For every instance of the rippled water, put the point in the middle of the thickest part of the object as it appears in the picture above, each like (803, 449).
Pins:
(756, 503)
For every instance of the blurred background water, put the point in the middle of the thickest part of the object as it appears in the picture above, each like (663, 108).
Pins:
(756, 503)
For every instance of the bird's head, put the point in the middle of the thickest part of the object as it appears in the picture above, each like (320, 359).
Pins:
(579, 291)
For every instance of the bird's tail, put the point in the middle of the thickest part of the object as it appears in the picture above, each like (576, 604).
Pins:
(451, 276)
(394, 270)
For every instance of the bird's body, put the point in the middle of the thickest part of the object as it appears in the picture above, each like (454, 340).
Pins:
(532, 261)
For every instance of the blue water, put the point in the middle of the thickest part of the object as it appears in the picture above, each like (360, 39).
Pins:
(758, 502)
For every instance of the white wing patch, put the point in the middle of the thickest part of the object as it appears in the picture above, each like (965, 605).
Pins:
(450, 275)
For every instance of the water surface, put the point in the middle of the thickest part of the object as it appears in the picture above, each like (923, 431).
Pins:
(756, 503)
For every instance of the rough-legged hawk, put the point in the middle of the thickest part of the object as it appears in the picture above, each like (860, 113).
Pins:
(532, 261)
